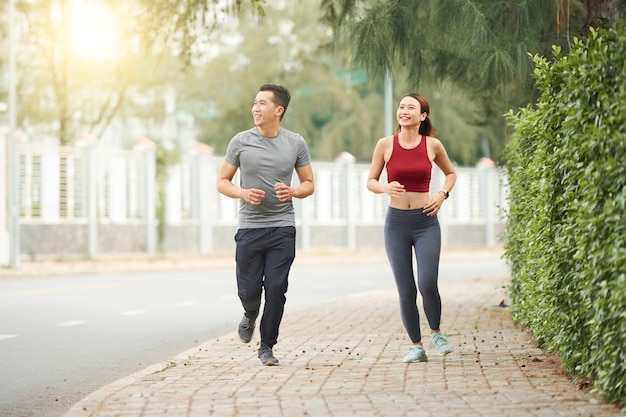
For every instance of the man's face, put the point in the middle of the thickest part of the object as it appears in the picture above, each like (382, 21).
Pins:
(264, 109)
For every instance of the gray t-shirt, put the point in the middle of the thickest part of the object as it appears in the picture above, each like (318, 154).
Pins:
(262, 162)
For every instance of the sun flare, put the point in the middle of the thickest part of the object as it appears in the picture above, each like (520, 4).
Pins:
(95, 33)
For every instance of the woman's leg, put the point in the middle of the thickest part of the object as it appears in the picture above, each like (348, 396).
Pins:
(399, 248)
(427, 254)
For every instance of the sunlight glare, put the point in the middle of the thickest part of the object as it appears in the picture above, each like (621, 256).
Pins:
(95, 34)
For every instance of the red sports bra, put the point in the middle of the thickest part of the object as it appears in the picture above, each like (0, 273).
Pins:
(410, 167)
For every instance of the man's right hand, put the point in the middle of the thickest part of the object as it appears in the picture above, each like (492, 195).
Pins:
(253, 196)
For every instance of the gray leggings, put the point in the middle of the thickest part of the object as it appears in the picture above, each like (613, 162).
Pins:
(406, 230)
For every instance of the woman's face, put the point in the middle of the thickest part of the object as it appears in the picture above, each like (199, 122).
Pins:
(409, 112)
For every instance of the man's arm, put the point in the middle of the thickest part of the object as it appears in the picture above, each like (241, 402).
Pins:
(304, 189)
(225, 186)
(225, 181)
(307, 185)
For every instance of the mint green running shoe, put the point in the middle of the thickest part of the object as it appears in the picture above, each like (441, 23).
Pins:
(416, 354)
(439, 342)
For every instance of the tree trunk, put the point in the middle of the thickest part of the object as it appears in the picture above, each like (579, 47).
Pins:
(602, 13)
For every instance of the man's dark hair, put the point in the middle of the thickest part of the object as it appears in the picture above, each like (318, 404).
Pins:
(281, 95)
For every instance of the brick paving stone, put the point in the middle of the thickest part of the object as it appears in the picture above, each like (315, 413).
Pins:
(344, 358)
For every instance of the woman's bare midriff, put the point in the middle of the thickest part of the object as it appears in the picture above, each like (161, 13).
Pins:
(409, 201)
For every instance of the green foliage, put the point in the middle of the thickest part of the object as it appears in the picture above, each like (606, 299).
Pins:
(335, 107)
(566, 232)
(76, 76)
(128, 94)
(482, 51)
(332, 105)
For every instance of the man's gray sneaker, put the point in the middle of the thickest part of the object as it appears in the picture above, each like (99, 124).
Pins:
(245, 329)
(267, 356)
(439, 342)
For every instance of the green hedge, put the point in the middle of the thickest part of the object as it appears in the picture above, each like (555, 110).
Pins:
(566, 233)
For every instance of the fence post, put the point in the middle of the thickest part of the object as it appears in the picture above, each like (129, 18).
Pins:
(348, 160)
(206, 194)
(5, 238)
(490, 214)
(147, 153)
(91, 200)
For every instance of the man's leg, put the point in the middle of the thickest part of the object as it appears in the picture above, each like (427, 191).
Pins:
(281, 251)
(250, 261)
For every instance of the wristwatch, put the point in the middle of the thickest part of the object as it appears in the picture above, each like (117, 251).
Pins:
(445, 193)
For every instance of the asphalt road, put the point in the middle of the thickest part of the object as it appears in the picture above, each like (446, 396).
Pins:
(63, 337)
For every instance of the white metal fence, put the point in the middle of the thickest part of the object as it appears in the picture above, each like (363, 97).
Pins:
(95, 189)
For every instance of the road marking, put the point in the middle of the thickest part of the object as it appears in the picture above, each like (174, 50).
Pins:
(187, 304)
(72, 323)
(7, 336)
(134, 312)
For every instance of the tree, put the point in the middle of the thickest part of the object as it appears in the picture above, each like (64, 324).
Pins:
(483, 50)
(80, 62)
(603, 13)
(328, 99)
(336, 107)
(187, 23)
(70, 86)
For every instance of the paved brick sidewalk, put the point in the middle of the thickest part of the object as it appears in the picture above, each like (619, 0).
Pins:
(344, 358)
